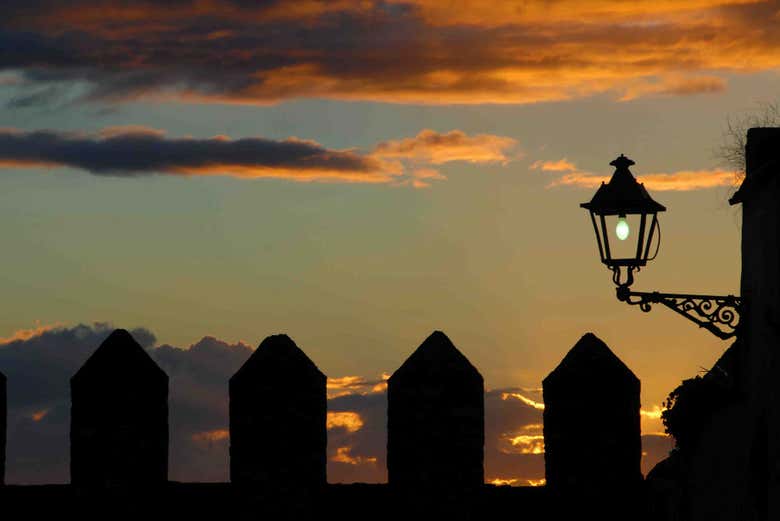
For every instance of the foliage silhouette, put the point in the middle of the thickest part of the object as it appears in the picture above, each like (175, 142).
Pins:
(689, 407)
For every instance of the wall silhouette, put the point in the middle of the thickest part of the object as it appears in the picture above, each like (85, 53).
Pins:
(278, 407)
(591, 420)
(435, 419)
(119, 417)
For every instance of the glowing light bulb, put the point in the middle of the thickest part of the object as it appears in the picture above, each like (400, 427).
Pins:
(621, 228)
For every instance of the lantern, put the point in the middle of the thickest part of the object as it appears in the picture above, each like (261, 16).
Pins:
(625, 219)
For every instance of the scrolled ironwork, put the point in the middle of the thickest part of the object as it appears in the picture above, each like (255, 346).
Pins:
(719, 314)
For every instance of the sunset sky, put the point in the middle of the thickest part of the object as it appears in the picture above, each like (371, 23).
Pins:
(357, 174)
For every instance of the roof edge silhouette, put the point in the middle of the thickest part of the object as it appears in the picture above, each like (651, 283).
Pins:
(436, 346)
(589, 349)
(120, 343)
(275, 348)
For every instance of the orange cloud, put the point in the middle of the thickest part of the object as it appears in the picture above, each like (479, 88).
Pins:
(524, 399)
(437, 148)
(527, 439)
(683, 180)
(465, 51)
(381, 385)
(517, 482)
(348, 420)
(344, 455)
(346, 385)
(580, 180)
(323, 175)
(502, 481)
(561, 165)
(344, 382)
(27, 334)
(525, 444)
(497, 13)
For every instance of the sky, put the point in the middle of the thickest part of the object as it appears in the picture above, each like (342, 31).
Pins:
(358, 174)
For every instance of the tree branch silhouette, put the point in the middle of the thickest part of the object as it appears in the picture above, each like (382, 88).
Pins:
(732, 148)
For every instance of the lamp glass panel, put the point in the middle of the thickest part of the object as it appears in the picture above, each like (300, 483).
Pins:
(623, 232)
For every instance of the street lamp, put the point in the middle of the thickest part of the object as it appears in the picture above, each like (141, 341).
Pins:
(625, 220)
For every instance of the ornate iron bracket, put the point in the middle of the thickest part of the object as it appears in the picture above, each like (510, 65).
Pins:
(718, 314)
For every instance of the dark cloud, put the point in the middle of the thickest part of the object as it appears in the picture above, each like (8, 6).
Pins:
(139, 151)
(39, 368)
(198, 405)
(367, 447)
(398, 51)
(38, 371)
(505, 418)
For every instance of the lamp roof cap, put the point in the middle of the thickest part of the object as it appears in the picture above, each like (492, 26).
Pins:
(622, 194)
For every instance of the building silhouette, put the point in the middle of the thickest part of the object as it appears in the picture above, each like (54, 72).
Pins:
(435, 419)
(278, 408)
(591, 420)
(743, 482)
(119, 417)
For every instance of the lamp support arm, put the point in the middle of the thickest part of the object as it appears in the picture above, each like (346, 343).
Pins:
(718, 314)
